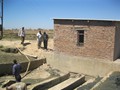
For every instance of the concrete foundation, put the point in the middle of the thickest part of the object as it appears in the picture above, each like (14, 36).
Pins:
(89, 66)
(6, 69)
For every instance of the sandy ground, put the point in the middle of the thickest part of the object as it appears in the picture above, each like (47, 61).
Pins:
(30, 47)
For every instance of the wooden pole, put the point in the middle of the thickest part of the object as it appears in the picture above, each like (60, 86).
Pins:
(1, 29)
(29, 62)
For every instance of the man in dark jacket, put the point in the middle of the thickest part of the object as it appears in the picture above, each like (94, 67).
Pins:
(45, 39)
(16, 70)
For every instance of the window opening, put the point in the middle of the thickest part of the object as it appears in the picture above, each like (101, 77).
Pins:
(80, 40)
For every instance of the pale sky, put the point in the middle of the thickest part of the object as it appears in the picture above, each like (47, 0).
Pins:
(40, 13)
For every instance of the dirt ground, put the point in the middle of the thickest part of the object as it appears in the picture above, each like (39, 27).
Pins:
(30, 47)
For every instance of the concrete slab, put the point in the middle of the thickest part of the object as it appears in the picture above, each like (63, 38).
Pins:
(49, 83)
(69, 84)
(109, 82)
(89, 84)
(89, 66)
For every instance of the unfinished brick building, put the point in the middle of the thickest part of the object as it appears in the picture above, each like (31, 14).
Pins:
(87, 38)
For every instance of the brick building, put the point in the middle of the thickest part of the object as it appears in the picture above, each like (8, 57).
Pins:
(87, 38)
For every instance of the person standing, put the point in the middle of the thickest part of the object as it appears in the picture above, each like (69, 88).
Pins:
(22, 35)
(16, 69)
(39, 39)
(45, 39)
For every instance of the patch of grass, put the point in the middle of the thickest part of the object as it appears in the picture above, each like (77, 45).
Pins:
(9, 57)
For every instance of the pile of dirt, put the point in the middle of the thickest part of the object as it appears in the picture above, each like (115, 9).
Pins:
(9, 57)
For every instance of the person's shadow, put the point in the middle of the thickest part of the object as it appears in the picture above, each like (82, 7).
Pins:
(25, 44)
(48, 49)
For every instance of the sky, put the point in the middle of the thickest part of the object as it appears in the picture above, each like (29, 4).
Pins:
(40, 13)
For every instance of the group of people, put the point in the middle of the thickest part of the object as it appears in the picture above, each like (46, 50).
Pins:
(16, 69)
(40, 38)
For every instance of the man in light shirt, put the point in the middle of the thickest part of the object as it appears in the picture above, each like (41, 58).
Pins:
(39, 39)
(22, 35)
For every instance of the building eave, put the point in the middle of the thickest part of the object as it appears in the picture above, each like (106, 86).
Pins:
(77, 19)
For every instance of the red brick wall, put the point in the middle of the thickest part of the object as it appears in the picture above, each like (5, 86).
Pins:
(98, 38)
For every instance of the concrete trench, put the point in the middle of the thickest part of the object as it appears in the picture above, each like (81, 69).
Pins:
(58, 80)
(68, 81)
(6, 69)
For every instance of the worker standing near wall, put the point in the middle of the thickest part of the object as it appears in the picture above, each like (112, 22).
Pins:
(16, 69)
(21, 33)
(45, 39)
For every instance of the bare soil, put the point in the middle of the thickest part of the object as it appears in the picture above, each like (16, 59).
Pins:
(31, 48)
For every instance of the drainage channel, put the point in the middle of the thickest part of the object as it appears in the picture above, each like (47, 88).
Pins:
(67, 81)
(56, 80)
